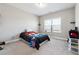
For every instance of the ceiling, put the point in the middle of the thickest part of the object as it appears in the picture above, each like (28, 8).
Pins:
(51, 7)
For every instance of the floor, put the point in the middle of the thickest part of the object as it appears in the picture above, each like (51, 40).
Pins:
(53, 47)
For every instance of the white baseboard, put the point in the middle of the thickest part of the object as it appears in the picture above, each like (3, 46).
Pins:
(14, 40)
(10, 41)
(61, 38)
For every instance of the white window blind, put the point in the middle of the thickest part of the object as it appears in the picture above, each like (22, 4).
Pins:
(52, 25)
(47, 25)
(56, 25)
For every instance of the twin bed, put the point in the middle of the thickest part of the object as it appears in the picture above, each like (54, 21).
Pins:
(34, 39)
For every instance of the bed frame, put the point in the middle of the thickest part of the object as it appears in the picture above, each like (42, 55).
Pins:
(37, 46)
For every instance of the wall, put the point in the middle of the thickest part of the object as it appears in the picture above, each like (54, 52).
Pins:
(77, 14)
(14, 21)
(67, 16)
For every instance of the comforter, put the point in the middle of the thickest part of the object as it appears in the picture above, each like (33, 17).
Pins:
(35, 39)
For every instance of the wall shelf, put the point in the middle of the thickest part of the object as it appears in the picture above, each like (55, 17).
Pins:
(72, 22)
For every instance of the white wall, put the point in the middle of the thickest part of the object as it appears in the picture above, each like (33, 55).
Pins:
(14, 21)
(77, 15)
(67, 16)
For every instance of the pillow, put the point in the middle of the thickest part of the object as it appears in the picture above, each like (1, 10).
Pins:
(30, 33)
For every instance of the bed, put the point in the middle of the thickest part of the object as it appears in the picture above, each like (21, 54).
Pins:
(34, 39)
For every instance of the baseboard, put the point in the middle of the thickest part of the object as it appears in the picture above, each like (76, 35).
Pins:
(60, 38)
(55, 37)
(10, 41)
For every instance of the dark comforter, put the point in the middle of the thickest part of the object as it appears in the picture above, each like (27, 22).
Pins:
(39, 38)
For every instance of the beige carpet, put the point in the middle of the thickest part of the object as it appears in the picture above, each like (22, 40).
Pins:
(53, 47)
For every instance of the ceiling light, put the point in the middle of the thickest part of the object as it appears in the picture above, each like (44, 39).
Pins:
(41, 5)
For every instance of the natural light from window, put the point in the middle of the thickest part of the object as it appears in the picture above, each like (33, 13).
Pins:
(52, 25)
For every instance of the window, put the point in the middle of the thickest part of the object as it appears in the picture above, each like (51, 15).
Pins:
(56, 25)
(47, 25)
(52, 25)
